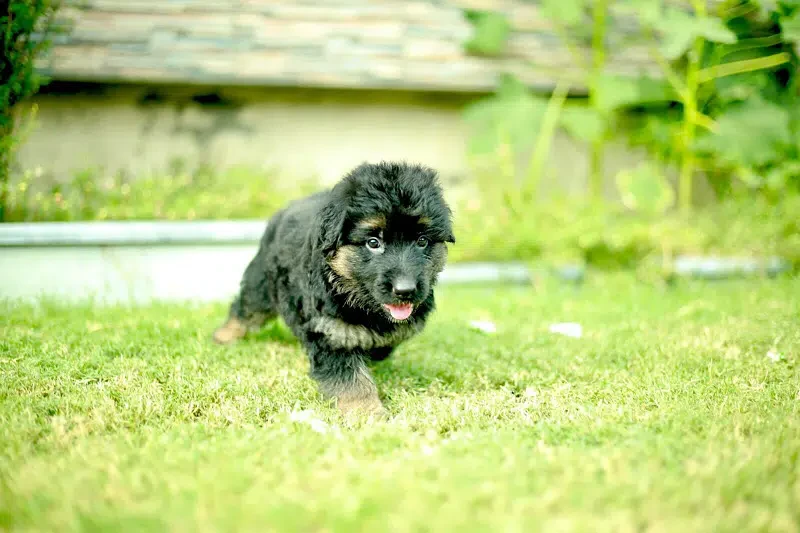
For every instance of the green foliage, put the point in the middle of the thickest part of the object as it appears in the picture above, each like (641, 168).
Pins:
(511, 116)
(749, 93)
(491, 33)
(790, 26)
(569, 13)
(645, 189)
(583, 123)
(490, 226)
(679, 30)
(617, 93)
(24, 25)
(727, 105)
(750, 134)
(608, 236)
(503, 137)
(181, 195)
(729, 108)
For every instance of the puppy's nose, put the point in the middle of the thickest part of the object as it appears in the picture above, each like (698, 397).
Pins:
(404, 286)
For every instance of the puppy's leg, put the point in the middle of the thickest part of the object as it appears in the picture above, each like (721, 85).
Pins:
(379, 354)
(343, 375)
(251, 308)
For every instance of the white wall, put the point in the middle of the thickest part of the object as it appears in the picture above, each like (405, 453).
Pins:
(301, 133)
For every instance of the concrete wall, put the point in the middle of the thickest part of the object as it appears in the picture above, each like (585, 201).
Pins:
(301, 133)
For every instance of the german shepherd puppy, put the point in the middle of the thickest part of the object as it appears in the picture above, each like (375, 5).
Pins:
(351, 271)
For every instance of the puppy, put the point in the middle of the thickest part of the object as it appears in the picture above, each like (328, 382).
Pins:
(352, 272)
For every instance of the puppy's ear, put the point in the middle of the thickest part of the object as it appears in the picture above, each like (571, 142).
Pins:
(330, 226)
(450, 238)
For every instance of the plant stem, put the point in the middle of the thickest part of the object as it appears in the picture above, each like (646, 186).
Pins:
(596, 173)
(745, 65)
(544, 140)
(686, 175)
(507, 167)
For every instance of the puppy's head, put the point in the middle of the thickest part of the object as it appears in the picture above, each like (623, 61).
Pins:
(383, 235)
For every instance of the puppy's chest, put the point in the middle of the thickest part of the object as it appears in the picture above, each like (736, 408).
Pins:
(341, 334)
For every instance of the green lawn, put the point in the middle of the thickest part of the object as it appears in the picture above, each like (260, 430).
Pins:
(667, 415)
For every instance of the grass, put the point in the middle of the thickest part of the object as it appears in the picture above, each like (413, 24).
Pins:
(667, 415)
(201, 194)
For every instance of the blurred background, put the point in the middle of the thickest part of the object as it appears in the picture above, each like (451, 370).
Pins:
(607, 133)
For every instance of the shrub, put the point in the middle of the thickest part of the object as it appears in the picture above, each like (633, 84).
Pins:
(25, 25)
(727, 104)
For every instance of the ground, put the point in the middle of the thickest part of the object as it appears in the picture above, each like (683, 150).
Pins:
(677, 410)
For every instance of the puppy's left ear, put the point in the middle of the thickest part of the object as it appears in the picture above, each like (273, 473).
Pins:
(330, 226)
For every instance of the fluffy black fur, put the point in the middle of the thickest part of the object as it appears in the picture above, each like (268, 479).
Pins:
(331, 263)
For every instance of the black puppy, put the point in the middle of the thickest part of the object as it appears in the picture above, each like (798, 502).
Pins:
(351, 271)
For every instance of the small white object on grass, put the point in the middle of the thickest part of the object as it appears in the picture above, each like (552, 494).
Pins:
(570, 329)
(307, 417)
(773, 356)
(484, 326)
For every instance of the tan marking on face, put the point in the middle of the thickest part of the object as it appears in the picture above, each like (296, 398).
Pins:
(372, 224)
(439, 257)
(424, 221)
(342, 261)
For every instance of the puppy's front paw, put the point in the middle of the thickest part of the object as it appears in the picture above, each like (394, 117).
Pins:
(362, 407)
(229, 332)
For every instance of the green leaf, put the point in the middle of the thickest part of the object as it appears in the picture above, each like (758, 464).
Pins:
(511, 87)
(491, 33)
(583, 123)
(714, 30)
(679, 29)
(648, 12)
(566, 12)
(790, 26)
(512, 115)
(645, 189)
(751, 134)
(614, 92)
(779, 178)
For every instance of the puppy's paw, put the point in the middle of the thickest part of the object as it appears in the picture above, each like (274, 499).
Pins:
(229, 332)
(361, 408)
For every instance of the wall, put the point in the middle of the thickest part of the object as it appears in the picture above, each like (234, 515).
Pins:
(301, 133)
(387, 44)
(209, 82)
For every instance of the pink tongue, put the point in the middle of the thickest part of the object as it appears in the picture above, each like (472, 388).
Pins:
(400, 312)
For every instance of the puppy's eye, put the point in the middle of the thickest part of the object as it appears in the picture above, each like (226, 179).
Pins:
(422, 242)
(373, 243)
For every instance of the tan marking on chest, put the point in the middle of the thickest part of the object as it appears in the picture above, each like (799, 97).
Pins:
(350, 336)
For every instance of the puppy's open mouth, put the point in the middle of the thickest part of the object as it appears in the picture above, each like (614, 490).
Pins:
(399, 311)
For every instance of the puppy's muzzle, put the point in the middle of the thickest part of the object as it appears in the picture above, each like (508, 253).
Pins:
(404, 286)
